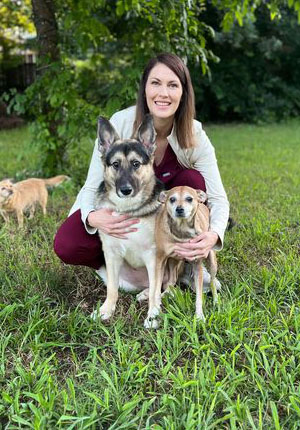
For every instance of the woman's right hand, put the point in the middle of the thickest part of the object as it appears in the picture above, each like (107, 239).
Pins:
(110, 222)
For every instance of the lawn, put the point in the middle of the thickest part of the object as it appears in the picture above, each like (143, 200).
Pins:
(241, 370)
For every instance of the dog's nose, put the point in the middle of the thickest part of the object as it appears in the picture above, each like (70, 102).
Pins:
(126, 190)
(179, 211)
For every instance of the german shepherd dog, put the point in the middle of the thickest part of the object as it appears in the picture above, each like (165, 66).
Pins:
(129, 187)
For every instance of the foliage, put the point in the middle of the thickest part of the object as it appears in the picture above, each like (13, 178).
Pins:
(258, 76)
(102, 41)
(238, 11)
(74, 117)
(14, 18)
(61, 370)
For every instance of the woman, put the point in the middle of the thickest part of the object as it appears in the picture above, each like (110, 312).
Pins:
(183, 156)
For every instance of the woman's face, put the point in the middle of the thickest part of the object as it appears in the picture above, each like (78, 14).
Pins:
(163, 92)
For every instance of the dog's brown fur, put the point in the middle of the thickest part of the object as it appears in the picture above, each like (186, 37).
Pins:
(24, 195)
(182, 217)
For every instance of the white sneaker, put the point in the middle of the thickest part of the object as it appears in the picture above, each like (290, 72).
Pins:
(187, 276)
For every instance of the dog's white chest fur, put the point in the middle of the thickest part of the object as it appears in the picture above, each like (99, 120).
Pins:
(138, 246)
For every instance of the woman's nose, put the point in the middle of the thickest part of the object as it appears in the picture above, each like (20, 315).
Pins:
(163, 91)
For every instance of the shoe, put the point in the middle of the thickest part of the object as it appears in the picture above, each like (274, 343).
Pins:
(187, 278)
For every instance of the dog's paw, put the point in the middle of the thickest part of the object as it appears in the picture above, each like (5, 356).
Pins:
(200, 316)
(143, 295)
(105, 312)
(152, 318)
(151, 323)
(170, 291)
(95, 315)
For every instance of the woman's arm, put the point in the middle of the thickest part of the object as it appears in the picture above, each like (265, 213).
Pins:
(204, 160)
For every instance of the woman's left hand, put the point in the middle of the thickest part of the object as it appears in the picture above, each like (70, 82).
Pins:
(198, 247)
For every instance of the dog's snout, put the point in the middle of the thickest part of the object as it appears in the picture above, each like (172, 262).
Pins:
(126, 190)
(179, 211)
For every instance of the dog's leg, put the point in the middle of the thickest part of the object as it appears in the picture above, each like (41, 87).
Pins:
(114, 263)
(31, 211)
(155, 267)
(4, 215)
(43, 200)
(20, 218)
(198, 281)
(172, 269)
(125, 282)
(213, 272)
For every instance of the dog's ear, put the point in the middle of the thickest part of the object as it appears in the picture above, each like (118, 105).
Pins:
(202, 196)
(107, 135)
(162, 197)
(146, 133)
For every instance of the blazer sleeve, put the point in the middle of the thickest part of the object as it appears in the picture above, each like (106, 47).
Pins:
(203, 159)
(88, 191)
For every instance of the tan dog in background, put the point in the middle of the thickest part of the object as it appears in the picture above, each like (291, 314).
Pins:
(24, 195)
(182, 217)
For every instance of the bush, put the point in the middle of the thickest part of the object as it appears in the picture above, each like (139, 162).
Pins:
(258, 76)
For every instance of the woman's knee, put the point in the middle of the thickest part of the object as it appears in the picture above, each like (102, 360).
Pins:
(66, 250)
(74, 245)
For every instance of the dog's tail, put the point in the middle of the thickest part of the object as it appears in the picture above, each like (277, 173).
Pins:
(56, 180)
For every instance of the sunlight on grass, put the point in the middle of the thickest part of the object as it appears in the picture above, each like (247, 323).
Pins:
(61, 370)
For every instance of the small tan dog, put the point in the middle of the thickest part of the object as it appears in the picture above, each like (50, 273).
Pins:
(24, 195)
(182, 217)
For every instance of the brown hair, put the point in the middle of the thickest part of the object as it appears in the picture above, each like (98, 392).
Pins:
(186, 110)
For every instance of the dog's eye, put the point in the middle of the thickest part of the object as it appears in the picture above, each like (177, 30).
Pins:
(189, 199)
(115, 165)
(172, 199)
(136, 164)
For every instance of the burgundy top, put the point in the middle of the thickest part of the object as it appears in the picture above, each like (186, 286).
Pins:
(168, 167)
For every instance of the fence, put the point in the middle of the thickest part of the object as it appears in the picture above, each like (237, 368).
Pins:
(19, 77)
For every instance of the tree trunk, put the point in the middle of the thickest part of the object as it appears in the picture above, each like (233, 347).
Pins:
(46, 28)
(49, 55)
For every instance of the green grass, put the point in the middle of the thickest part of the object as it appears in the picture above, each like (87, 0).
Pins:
(241, 370)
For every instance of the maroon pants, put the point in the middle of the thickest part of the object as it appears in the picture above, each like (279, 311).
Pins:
(74, 245)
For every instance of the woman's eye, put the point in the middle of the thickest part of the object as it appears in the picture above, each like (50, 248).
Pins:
(154, 83)
(189, 199)
(173, 85)
(172, 200)
(136, 164)
(115, 165)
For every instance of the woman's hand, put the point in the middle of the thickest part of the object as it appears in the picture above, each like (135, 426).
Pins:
(112, 223)
(198, 247)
